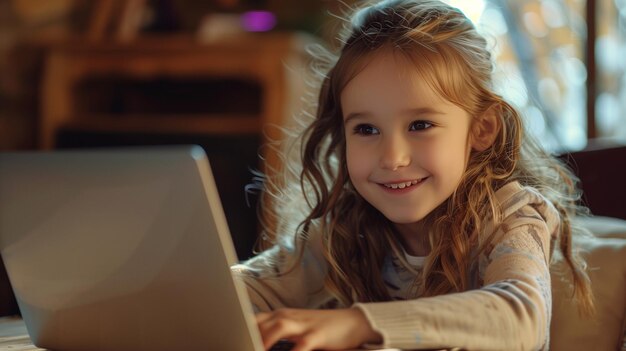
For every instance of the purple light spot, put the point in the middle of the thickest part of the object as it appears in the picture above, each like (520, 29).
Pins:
(258, 21)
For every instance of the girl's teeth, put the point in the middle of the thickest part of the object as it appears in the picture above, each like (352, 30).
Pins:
(401, 185)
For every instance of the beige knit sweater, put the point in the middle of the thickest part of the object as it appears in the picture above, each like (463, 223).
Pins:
(508, 308)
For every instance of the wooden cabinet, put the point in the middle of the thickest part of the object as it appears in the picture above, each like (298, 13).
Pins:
(275, 61)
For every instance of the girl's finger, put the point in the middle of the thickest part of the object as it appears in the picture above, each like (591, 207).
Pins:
(263, 316)
(274, 329)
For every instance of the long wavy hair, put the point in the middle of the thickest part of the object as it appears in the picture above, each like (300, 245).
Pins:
(314, 186)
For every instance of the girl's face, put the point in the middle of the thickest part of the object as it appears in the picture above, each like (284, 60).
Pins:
(407, 147)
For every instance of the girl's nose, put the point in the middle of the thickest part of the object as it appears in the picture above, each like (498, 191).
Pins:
(395, 153)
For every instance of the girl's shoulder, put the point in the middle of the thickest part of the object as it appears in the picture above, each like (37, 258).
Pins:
(517, 201)
(521, 205)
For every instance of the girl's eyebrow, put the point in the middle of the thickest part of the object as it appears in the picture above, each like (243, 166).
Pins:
(408, 112)
(354, 115)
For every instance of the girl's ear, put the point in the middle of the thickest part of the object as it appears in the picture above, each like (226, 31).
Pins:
(485, 130)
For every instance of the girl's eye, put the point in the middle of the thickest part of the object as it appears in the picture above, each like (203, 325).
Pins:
(365, 129)
(420, 125)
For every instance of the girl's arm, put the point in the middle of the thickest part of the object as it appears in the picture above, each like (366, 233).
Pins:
(275, 279)
(510, 312)
(288, 303)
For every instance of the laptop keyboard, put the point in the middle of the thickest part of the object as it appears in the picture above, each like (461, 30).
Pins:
(282, 345)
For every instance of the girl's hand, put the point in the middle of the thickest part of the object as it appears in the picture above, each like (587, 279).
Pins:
(317, 329)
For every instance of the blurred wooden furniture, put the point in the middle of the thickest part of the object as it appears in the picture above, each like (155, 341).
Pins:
(277, 61)
(601, 168)
(119, 19)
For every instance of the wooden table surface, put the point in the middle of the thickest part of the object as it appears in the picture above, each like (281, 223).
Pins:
(13, 335)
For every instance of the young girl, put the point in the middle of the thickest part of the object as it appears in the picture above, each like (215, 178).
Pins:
(424, 216)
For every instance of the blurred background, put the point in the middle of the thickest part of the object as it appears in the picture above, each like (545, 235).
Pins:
(224, 73)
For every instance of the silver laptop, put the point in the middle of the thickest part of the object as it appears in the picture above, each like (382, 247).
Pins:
(123, 249)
